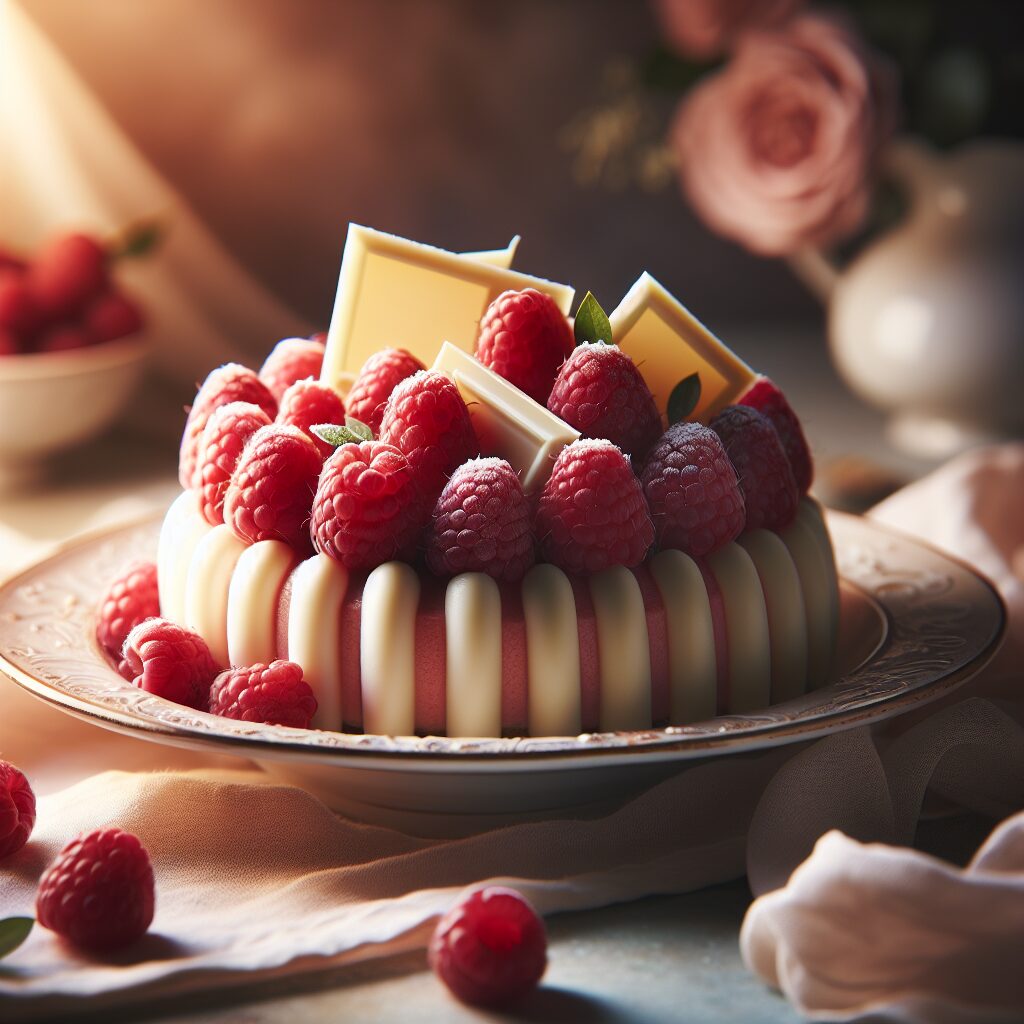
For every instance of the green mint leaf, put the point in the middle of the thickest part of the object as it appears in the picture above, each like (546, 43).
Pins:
(337, 435)
(359, 427)
(592, 322)
(684, 398)
(136, 239)
(13, 932)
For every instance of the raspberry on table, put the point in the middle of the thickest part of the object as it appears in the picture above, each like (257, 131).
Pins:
(307, 403)
(290, 360)
(592, 513)
(66, 272)
(767, 399)
(481, 523)
(17, 809)
(524, 337)
(692, 491)
(170, 661)
(131, 598)
(601, 393)
(225, 436)
(764, 472)
(99, 894)
(490, 949)
(377, 379)
(275, 694)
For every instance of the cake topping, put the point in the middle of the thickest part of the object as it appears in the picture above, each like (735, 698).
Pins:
(771, 402)
(226, 433)
(376, 380)
(275, 694)
(307, 403)
(290, 360)
(130, 599)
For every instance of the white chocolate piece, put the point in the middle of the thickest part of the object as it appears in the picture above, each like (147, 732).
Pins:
(206, 592)
(182, 530)
(387, 649)
(667, 343)
(497, 257)
(552, 652)
(473, 630)
(811, 513)
(692, 661)
(817, 584)
(253, 595)
(623, 651)
(508, 423)
(319, 586)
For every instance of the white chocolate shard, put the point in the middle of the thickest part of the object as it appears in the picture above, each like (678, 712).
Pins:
(473, 630)
(182, 530)
(497, 257)
(206, 592)
(253, 595)
(812, 514)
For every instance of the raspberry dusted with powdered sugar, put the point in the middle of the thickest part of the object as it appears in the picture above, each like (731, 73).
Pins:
(275, 694)
(767, 399)
(290, 360)
(377, 379)
(170, 661)
(130, 599)
(307, 403)
(224, 438)
(17, 809)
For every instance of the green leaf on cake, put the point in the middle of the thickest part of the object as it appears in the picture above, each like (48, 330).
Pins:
(359, 427)
(13, 932)
(684, 398)
(592, 322)
(334, 433)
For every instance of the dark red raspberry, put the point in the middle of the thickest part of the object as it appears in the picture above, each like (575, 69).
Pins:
(63, 338)
(426, 418)
(290, 360)
(307, 403)
(692, 491)
(376, 380)
(10, 343)
(525, 338)
(481, 523)
(368, 507)
(225, 436)
(272, 487)
(99, 894)
(766, 478)
(226, 384)
(66, 273)
(112, 315)
(601, 393)
(490, 949)
(768, 400)
(17, 810)
(170, 661)
(19, 312)
(592, 513)
(275, 694)
(131, 598)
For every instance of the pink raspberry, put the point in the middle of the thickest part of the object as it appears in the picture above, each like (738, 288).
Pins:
(290, 360)
(130, 599)
(170, 661)
(275, 694)
(17, 810)
(481, 523)
(66, 273)
(768, 400)
(490, 949)
(376, 380)
(307, 403)
(225, 436)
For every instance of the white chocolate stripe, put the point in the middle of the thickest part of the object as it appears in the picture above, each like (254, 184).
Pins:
(182, 530)
(473, 633)
(817, 588)
(252, 602)
(206, 592)
(810, 512)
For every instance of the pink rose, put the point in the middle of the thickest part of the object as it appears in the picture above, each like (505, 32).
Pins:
(706, 28)
(775, 150)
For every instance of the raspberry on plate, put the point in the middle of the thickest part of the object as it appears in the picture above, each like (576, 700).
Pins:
(368, 507)
(691, 488)
(601, 393)
(592, 513)
(225, 436)
(130, 599)
(99, 894)
(272, 487)
(481, 523)
(290, 360)
(524, 337)
(307, 403)
(17, 809)
(275, 694)
(767, 399)
(377, 379)
(490, 949)
(766, 478)
(170, 661)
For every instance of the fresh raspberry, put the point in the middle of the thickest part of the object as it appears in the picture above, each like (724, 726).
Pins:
(592, 513)
(290, 360)
(225, 436)
(481, 523)
(376, 380)
(307, 403)
(63, 338)
(66, 273)
(112, 315)
(491, 948)
(600, 392)
(228, 383)
(130, 599)
(691, 488)
(11, 260)
(275, 694)
(525, 338)
(766, 478)
(767, 399)
(368, 507)
(19, 312)
(17, 810)
(272, 487)
(426, 418)
(171, 661)
(10, 343)
(99, 894)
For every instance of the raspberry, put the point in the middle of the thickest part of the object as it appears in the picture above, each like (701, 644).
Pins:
(272, 487)
(766, 479)
(170, 661)
(691, 488)
(592, 513)
(768, 400)
(600, 392)
(224, 438)
(19, 312)
(307, 403)
(130, 599)
(275, 694)
(290, 360)
(491, 948)
(228, 383)
(17, 810)
(368, 508)
(525, 338)
(63, 338)
(376, 380)
(10, 343)
(481, 523)
(112, 315)
(66, 273)
(426, 418)
(99, 893)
